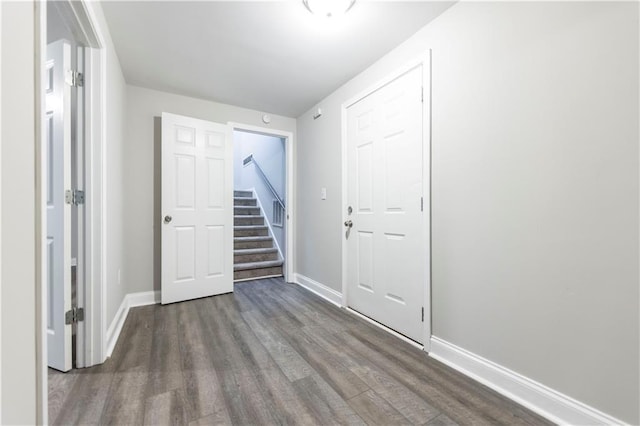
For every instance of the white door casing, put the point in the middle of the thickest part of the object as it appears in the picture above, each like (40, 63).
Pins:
(58, 179)
(385, 246)
(197, 208)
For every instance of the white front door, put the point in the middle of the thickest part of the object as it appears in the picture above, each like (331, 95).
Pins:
(197, 208)
(58, 179)
(385, 245)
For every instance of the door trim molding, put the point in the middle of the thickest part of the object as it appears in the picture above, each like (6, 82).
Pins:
(1, 220)
(424, 61)
(42, 386)
(96, 190)
(290, 229)
(94, 135)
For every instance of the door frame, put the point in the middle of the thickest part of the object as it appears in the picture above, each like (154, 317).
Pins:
(289, 250)
(425, 62)
(82, 16)
(1, 214)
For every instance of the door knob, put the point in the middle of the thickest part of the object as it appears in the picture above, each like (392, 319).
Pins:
(167, 219)
(348, 224)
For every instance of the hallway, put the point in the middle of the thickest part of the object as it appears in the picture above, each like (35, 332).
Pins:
(270, 353)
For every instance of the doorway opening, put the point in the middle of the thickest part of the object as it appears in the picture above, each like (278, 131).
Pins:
(64, 98)
(69, 157)
(262, 203)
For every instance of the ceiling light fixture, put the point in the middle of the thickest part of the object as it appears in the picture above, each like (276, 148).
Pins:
(328, 8)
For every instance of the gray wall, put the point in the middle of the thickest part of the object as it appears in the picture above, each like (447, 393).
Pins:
(17, 168)
(142, 172)
(535, 190)
(269, 152)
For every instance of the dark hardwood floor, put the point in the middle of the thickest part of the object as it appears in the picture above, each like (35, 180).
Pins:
(270, 353)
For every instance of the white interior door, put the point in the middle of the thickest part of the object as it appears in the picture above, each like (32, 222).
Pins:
(197, 208)
(385, 245)
(58, 179)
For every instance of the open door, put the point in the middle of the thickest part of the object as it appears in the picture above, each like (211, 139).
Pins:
(197, 209)
(58, 170)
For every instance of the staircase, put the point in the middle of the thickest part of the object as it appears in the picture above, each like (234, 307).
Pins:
(254, 254)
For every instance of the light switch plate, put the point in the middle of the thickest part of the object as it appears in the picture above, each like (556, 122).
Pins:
(323, 193)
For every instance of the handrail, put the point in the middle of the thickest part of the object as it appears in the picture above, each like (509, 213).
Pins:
(250, 159)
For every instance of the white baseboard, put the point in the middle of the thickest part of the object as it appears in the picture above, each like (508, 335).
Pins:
(555, 406)
(321, 290)
(143, 298)
(129, 301)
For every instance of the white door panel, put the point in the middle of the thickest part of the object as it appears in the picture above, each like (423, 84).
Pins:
(58, 179)
(197, 196)
(384, 187)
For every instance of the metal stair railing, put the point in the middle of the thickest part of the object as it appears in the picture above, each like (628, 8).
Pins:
(250, 159)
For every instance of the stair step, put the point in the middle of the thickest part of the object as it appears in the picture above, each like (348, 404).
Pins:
(250, 231)
(255, 274)
(240, 243)
(256, 250)
(241, 193)
(242, 220)
(242, 201)
(248, 211)
(257, 265)
(255, 270)
(255, 255)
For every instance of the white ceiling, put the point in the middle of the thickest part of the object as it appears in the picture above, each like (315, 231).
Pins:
(272, 56)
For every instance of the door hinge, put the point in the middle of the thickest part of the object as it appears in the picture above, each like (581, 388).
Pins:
(421, 204)
(422, 94)
(423, 314)
(74, 315)
(74, 78)
(74, 197)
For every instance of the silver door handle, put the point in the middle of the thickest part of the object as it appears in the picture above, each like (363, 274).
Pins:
(167, 219)
(348, 224)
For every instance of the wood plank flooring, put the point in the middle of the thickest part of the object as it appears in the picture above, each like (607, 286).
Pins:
(270, 353)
